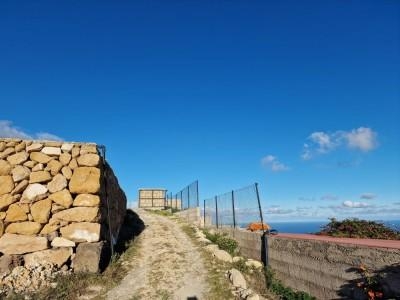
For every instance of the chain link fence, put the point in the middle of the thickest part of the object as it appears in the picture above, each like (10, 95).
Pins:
(235, 209)
(186, 198)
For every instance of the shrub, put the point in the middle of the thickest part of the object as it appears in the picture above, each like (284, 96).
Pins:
(355, 228)
(223, 242)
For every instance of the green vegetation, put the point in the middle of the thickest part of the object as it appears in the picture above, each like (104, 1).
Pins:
(285, 293)
(355, 228)
(223, 242)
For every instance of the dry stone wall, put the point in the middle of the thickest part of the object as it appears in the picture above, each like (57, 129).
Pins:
(56, 197)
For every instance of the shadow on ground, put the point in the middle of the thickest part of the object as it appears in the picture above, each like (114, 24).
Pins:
(130, 229)
(385, 280)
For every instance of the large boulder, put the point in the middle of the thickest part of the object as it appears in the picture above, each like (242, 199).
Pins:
(65, 158)
(20, 187)
(88, 257)
(56, 257)
(237, 279)
(6, 184)
(89, 160)
(53, 151)
(67, 147)
(62, 242)
(26, 228)
(67, 172)
(16, 213)
(62, 198)
(78, 214)
(34, 192)
(20, 173)
(39, 176)
(86, 200)
(40, 211)
(5, 167)
(81, 232)
(18, 158)
(222, 255)
(21, 244)
(40, 157)
(54, 166)
(5, 201)
(34, 147)
(58, 183)
(85, 180)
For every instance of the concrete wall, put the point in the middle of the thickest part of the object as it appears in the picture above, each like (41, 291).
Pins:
(56, 196)
(325, 270)
(191, 215)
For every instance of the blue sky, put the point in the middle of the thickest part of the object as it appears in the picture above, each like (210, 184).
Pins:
(300, 96)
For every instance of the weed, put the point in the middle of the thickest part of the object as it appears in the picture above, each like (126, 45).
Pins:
(285, 293)
(241, 266)
(223, 242)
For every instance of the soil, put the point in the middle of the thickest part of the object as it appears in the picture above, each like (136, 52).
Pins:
(167, 265)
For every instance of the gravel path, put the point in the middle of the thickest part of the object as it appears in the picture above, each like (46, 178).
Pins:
(167, 264)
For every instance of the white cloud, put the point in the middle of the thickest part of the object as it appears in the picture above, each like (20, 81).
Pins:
(308, 199)
(352, 204)
(368, 196)
(273, 163)
(329, 197)
(8, 130)
(279, 211)
(324, 141)
(363, 139)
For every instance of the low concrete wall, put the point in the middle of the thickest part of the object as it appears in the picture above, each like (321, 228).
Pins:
(191, 215)
(323, 269)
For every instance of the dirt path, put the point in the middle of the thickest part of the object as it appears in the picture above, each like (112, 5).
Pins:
(167, 264)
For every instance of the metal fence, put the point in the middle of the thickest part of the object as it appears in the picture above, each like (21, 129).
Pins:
(186, 198)
(235, 209)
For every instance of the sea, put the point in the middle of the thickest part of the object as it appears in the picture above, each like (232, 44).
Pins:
(315, 226)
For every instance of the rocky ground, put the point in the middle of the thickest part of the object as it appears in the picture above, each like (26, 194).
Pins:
(167, 264)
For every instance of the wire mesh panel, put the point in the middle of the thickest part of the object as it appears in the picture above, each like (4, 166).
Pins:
(225, 210)
(187, 197)
(193, 194)
(210, 213)
(247, 207)
(234, 209)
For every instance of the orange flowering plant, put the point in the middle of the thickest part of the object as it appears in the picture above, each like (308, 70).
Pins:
(369, 283)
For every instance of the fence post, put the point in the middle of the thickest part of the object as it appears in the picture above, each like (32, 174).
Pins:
(264, 238)
(188, 196)
(233, 209)
(204, 214)
(216, 211)
(197, 193)
(259, 204)
(181, 199)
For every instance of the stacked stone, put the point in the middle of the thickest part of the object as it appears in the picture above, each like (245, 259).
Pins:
(51, 199)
